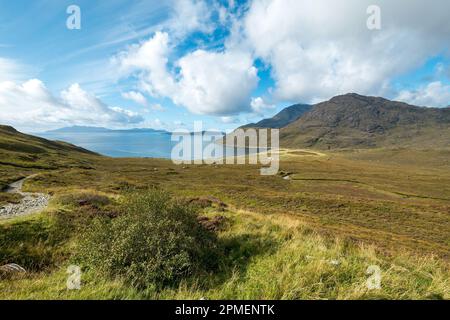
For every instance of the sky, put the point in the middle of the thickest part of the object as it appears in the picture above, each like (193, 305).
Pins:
(166, 64)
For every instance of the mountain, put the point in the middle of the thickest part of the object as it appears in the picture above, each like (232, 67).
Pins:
(282, 119)
(356, 121)
(78, 129)
(86, 129)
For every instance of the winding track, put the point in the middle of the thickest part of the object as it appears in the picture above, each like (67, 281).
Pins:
(30, 203)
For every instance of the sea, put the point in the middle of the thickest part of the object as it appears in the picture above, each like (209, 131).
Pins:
(129, 143)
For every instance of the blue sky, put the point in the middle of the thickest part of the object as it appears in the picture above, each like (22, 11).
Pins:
(166, 64)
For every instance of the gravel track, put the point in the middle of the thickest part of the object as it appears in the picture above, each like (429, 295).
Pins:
(30, 203)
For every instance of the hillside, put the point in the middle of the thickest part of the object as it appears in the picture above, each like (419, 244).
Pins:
(336, 215)
(355, 121)
(283, 118)
(22, 154)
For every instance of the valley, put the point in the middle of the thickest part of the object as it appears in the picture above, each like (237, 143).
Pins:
(358, 207)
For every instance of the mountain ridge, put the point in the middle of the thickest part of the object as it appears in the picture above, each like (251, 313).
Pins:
(83, 129)
(281, 119)
(354, 120)
(357, 121)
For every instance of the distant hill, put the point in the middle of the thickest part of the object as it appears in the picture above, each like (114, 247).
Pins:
(355, 121)
(77, 129)
(25, 151)
(282, 119)
(86, 129)
(15, 141)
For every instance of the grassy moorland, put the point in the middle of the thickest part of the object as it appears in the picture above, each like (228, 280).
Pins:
(311, 236)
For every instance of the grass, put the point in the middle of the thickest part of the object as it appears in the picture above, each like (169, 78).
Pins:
(311, 237)
(6, 198)
(302, 264)
(353, 194)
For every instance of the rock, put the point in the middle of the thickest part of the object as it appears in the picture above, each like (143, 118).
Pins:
(10, 270)
(12, 267)
(212, 224)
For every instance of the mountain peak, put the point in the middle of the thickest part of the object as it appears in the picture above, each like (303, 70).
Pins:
(353, 120)
(282, 118)
(355, 97)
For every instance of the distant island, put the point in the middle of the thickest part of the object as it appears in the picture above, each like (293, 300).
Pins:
(84, 129)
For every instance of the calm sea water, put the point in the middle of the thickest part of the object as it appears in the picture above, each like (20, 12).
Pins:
(126, 144)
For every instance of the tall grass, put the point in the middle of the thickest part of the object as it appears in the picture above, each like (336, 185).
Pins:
(266, 257)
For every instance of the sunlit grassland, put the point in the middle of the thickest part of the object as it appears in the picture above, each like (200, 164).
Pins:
(269, 257)
(354, 194)
(310, 237)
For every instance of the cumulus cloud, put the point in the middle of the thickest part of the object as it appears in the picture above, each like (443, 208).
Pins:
(189, 16)
(435, 94)
(205, 82)
(217, 83)
(315, 50)
(321, 48)
(149, 60)
(32, 103)
(137, 97)
(259, 106)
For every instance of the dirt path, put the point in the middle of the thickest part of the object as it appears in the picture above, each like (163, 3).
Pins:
(30, 203)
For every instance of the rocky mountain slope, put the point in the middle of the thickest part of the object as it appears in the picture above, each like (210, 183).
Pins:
(352, 120)
(283, 118)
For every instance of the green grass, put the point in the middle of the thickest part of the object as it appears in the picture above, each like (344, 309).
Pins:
(312, 237)
(268, 257)
(353, 194)
(6, 198)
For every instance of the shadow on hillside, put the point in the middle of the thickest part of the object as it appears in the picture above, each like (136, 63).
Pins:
(29, 244)
(238, 253)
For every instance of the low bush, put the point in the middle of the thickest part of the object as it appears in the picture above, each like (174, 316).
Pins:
(154, 242)
(83, 199)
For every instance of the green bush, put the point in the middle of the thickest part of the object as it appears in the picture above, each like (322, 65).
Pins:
(155, 241)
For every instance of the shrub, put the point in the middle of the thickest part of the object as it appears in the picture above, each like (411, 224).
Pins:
(156, 241)
(83, 199)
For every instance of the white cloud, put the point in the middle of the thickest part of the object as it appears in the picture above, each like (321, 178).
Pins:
(189, 16)
(149, 59)
(321, 48)
(32, 103)
(218, 83)
(158, 124)
(259, 106)
(315, 50)
(155, 124)
(229, 120)
(136, 97)
(207, 82)
(10, 70)
(435, 94)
